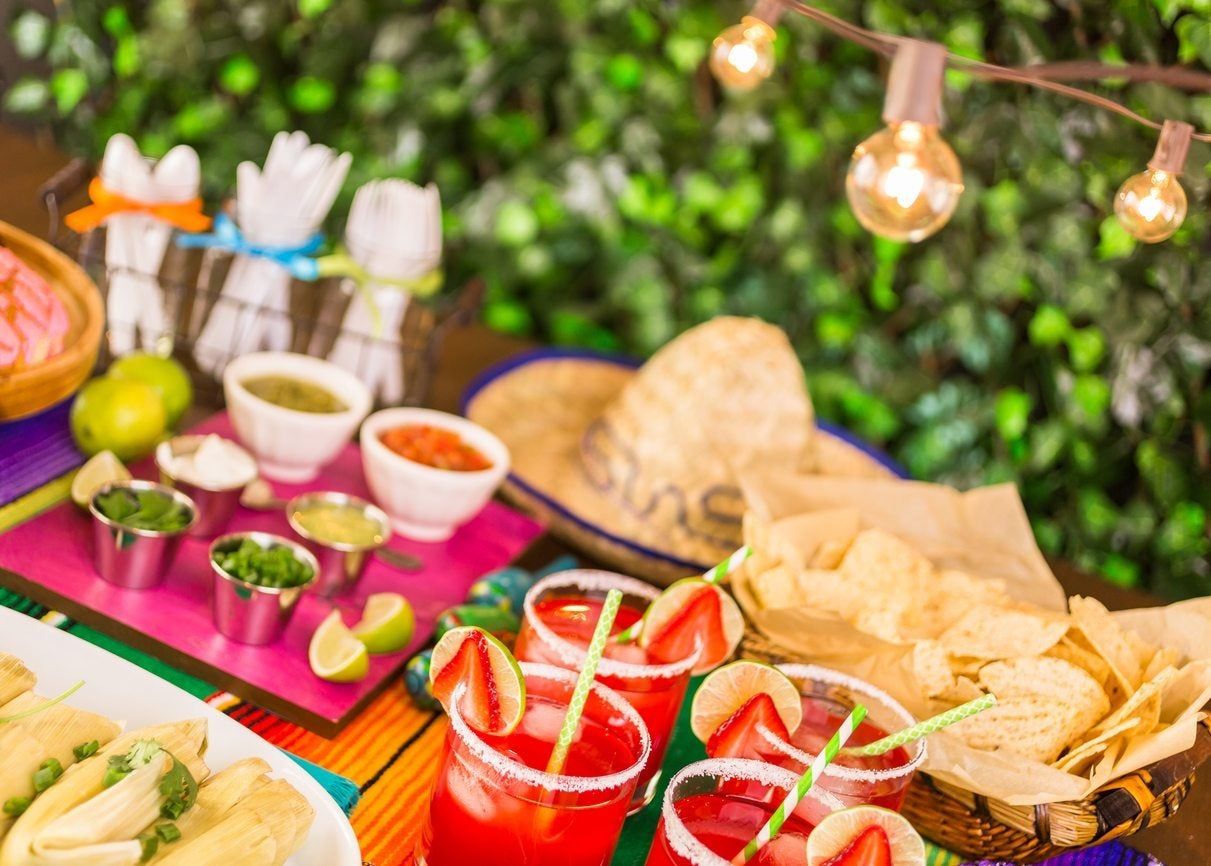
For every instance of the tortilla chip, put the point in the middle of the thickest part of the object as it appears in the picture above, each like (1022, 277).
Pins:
(1110, 641)
(1033, 727)
(1081, 755)
(1143, 705)
(777, 588)
(1165, 657)
(992, 632)
(963, 690)
(1080, 654)
(829, 554)
(1049, 679)
(931, 666)
(877, 558)
(952, 594)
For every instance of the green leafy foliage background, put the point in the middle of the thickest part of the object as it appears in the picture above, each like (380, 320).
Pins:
(611, 196)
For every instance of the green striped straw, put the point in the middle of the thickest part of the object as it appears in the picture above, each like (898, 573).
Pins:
(584, 683)
(801, 787)
(713, 575)
(925, 728)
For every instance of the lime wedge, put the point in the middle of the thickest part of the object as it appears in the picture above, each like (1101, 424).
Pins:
(387, 623)
(495, 695)
(335, 654)
(102, 468)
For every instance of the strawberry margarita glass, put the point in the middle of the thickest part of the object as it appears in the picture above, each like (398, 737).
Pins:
(493, 802)
(713, 808)
(827, 697)
(561, 611)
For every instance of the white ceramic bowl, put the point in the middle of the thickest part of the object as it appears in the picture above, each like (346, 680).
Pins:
(289, 445)
(424, 503)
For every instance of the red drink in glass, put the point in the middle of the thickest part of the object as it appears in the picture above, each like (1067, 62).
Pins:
(712, 809)
(493, 801)
(560, 613)
(827, 698)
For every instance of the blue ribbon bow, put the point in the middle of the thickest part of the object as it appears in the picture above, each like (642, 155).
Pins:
(227, 236)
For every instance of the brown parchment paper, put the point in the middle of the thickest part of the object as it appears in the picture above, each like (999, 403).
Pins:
(799, 520)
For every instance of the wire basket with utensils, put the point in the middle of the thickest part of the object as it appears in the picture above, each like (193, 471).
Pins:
(327, 316)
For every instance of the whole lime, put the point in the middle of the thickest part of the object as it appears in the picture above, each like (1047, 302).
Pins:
(165, 376)
(122, 416)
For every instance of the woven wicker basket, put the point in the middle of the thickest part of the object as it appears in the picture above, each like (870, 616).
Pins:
(32, 390)
(981, 828)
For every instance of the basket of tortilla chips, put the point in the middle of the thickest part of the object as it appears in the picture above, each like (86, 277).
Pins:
(938, 597)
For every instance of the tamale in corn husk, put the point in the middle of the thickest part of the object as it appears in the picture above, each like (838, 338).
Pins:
(15, 677)
(217, 796)
(79, 821)
(53, 733)
(262, 829)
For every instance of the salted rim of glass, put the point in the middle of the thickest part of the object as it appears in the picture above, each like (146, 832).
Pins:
(685, 843)
(596, 580)
(519, 772)
(798, 673)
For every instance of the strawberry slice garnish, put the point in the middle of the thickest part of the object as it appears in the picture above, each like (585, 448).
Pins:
(738, 737)
(871, 847)
(481, 702)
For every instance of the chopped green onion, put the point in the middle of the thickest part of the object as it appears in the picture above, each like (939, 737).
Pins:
(86, 750)
(168, 832)
(148, 843)
(14, 806)
(47, 774)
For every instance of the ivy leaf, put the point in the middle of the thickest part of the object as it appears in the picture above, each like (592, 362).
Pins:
(1164, 474)
(27, 96)
(1115, 241)
(313, 8)
(1012, 411)
(30, 32)
(239, 75)
(68, 86)
(312, 95)
(1049, 326)
(1086, 348)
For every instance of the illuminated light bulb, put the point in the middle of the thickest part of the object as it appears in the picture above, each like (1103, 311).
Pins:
(904, 182)
(742, 56)
(1151, 205)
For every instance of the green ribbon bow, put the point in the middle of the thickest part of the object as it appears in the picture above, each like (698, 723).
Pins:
(341, 264)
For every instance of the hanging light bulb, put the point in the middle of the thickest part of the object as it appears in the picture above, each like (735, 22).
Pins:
(742, 56)
(1152, 204)
(904, 182)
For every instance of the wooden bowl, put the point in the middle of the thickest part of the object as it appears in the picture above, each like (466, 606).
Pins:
(29, 391)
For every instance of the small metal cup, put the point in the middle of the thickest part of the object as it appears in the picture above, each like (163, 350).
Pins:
(215, 505)
(135, 558)
(341, 565)
(249, 613)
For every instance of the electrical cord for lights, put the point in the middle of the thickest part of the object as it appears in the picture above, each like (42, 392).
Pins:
(1044, 76)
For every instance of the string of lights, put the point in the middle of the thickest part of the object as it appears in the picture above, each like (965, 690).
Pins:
(904, 182)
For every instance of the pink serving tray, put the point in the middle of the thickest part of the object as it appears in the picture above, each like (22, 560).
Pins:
(50, 558)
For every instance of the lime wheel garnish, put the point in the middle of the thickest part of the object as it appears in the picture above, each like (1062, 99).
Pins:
(865, 836)
(690, 612)
(733, 701)
(495, 694)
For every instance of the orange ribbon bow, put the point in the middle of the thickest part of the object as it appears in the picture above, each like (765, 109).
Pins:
(185, 215)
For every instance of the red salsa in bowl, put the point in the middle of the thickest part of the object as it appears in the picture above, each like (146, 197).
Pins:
(434, 446)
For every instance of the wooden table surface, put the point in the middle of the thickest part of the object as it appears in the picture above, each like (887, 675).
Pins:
(1184, 840)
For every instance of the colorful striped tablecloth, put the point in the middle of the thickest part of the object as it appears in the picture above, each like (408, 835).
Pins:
(390, 752)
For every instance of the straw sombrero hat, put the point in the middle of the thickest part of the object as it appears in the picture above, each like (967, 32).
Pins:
(638, 465)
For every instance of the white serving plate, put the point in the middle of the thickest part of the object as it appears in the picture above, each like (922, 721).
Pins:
(127, 693)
